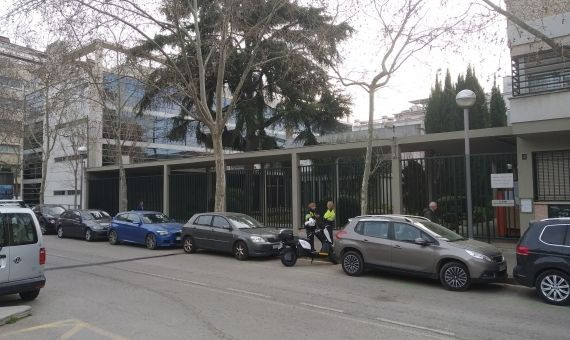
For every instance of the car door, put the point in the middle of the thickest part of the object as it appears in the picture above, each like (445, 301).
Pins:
(24, 247)
(62, 221)
(375, 242)
(221, 234)
(202, 231)
(120, 225)
(74, 224)
(409, 256)
(136, 230)
(4, 251)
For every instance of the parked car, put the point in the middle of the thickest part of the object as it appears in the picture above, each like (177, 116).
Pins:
(22, 253)
(417, 246)
(239, 234)
(47, 216)
(151, 228)
(87, 224)
(543, 260)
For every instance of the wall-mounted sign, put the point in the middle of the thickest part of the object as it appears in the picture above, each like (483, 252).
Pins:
(502, 181)
(503, 203)
(526, 205)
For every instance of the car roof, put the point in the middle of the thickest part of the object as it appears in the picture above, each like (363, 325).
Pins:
(13, 209)
(394, 217)
(226, 214)
(140, 212)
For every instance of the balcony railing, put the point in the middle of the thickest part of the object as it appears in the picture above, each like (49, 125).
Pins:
(540, 73)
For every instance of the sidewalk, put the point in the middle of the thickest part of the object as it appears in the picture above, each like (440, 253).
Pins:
(14, 313)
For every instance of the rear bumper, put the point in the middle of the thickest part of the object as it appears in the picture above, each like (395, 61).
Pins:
(22, 285)
(264, 249)
(522, 277)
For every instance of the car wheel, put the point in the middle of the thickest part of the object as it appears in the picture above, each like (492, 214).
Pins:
(88, 235)
(240, 251)
(455, 276)
(43, 228)
(29, 296)
(554, 287)
(151, 241)
(188, 245)
(352, 263)
(113, 238)
(60, 232)
(289, 257)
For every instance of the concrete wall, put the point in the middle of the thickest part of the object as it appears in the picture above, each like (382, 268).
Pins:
(526, 145)
(544, 106)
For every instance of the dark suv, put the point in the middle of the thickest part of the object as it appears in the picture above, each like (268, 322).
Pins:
(543, 260)
(47, 215)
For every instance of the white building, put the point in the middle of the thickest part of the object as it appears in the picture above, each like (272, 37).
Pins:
(414, 116)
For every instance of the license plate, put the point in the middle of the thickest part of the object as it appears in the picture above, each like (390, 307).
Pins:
(276, 246)
(177, 238)
(502, 267)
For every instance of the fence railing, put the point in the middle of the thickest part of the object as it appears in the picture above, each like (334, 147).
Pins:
(539, 73)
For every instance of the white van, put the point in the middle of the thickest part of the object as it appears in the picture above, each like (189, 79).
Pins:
(22, 253)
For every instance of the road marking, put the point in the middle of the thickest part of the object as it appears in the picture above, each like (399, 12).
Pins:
(92, 264)
(322, 307)
(163, 277)
(250, 293)
(403, 324)
(75, 324)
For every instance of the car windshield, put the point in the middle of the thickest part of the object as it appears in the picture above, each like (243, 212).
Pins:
(53, 210)
(155, 218)
(441, 231)
(95, 215)
(244, 222)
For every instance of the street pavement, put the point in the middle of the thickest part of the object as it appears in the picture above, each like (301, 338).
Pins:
(100, 291)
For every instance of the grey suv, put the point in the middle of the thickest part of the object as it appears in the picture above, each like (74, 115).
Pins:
(415, 245)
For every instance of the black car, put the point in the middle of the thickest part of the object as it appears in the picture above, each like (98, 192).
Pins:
(87, 224)
(543, 260)
(239, 234)
(47, 215)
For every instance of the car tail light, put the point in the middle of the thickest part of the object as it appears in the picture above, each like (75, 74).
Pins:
(340, 234)
(522, 250)
(42, 256)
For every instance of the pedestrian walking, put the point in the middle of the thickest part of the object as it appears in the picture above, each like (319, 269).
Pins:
(140, 206)
(432, 213)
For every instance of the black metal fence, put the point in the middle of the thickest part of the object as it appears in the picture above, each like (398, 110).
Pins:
(442, 179)
(552, 175)
(540, 72)
(104, 194)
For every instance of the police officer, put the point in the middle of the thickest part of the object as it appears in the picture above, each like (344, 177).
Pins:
(330, 218)
(311, 224)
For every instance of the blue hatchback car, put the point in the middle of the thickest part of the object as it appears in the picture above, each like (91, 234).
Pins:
(151, 228)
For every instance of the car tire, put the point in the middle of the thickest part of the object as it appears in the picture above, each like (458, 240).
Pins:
(60, 232)
(113, 237)
(289, 257)
(30, 295)
(88, 235)
(188, 245)
(150, 241)
(553, 287)
(352, 263)
(43, 228)
(240, 251)
(455, 276)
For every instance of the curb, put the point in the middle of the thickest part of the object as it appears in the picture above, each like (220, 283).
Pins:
(12, 314)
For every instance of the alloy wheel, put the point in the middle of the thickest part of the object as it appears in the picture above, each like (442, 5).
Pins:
(240, 251)
(351, 263)
(43, 228)
(555, 288)
(113, 237)
(60, 232)
(151, 242)
(88, 236)
(455, 277)
(188, 245)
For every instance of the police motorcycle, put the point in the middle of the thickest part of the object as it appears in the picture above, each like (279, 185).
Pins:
(293, 247)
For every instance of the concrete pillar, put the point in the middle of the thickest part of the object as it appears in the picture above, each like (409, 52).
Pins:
(397, 205)
(295, 192)
(166, 189)
(85, 191)
(525, 179)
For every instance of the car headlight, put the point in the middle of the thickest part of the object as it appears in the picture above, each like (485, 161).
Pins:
(257, 239)
(478, 255)
(162, 232)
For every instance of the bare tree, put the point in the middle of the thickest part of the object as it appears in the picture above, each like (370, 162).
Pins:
(403, 29)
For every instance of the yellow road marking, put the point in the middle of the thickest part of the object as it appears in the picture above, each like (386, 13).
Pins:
(76, 326)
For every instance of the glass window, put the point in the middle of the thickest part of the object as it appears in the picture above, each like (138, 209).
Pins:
(406, 233)
(220, 222)
(554, 234)
(203, 220)
(55, 211)
(95, 215)
(3, 236)
(567, 242)
(378, 229)
(244, 222)
(21, 228)
(440, 230)
(155, 218)
(122, 217)
(134, 218)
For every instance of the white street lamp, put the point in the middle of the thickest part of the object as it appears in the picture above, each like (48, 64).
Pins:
(466, 99)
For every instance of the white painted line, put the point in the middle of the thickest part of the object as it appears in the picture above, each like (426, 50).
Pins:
(409, 325)
(323, 307)
(248, 292)
(165, 277)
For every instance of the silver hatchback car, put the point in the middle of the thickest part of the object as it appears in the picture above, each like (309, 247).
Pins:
(415, 245)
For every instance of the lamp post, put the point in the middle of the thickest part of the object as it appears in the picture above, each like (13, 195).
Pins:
(466, 99)
(82, 150)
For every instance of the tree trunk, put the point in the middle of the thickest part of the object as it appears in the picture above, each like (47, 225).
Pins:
(220, 196)
(368, 159)
(123, 200)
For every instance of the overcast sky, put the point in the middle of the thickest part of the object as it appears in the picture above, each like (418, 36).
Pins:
(486, 51)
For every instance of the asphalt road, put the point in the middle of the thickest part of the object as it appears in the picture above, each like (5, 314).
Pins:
(99, 291)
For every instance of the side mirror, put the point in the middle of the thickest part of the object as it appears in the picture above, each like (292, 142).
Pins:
(420, 241)
(228, 228)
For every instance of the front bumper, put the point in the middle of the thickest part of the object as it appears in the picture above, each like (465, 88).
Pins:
(170, 240)
(264, 249)
(20, 286)
(488, 272)
(100, 234)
